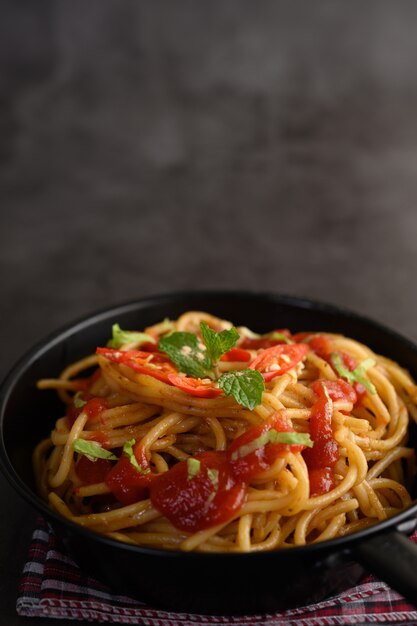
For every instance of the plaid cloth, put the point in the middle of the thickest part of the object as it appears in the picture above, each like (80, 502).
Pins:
(52, 585)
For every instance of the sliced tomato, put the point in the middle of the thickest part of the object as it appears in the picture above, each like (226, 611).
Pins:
(266, 341)
(151, 363)
(279, 359)
(319, 344)
(337, 389)
(200, 387)
(236, 354)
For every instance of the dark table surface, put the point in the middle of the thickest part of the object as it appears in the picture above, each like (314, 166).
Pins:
(168, 145)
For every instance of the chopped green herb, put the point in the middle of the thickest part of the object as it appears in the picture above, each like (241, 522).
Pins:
(213, 475)
(357, 375)
(273, 436)
(128, 449)
(246, 386)
(92, 450)
(276, 336)
(78, 401)
(122, 337)
(193, 467)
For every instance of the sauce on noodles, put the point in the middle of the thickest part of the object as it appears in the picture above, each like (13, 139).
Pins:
(197, 435)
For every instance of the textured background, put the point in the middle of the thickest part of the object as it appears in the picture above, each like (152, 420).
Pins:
(147, 147)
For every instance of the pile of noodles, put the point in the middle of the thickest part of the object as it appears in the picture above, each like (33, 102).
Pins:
(373, 475)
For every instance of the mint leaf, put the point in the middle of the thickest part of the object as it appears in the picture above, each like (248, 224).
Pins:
(188, 353)
(121, 337)
(92, 450)
(357, 375)
(218, 343)
(272, 436)
(246, 386)
(128, 449)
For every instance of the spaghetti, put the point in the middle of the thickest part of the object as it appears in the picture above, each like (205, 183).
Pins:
(195, 435)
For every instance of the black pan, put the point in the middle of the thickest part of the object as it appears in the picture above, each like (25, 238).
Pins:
(198, 582)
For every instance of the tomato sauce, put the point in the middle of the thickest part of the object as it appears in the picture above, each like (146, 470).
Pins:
(321, 346)
(214, 492)
(323, 456)
(209, 498)
(91, 472)
(126, 483)
(93, 406)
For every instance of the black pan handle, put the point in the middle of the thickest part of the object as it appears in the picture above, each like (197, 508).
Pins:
(393, 558)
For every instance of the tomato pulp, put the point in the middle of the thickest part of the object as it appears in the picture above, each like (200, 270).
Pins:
(323, 456)
(216, 489)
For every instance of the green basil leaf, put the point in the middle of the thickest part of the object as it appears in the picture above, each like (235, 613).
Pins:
(246, 386)
(92, 450)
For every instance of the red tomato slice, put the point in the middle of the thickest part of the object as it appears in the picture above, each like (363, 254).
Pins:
(236, 354)
(279, 359)
(337, 390)
(150, 363)
(195, 386)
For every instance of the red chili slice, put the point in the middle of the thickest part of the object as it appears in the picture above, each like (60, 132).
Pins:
(202, 388)
(150, 363)
(279, 359)
(236, 354)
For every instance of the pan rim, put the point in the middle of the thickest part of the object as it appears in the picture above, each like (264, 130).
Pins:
(343, 544)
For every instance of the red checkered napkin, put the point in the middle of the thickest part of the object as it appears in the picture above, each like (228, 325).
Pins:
(52, 585)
